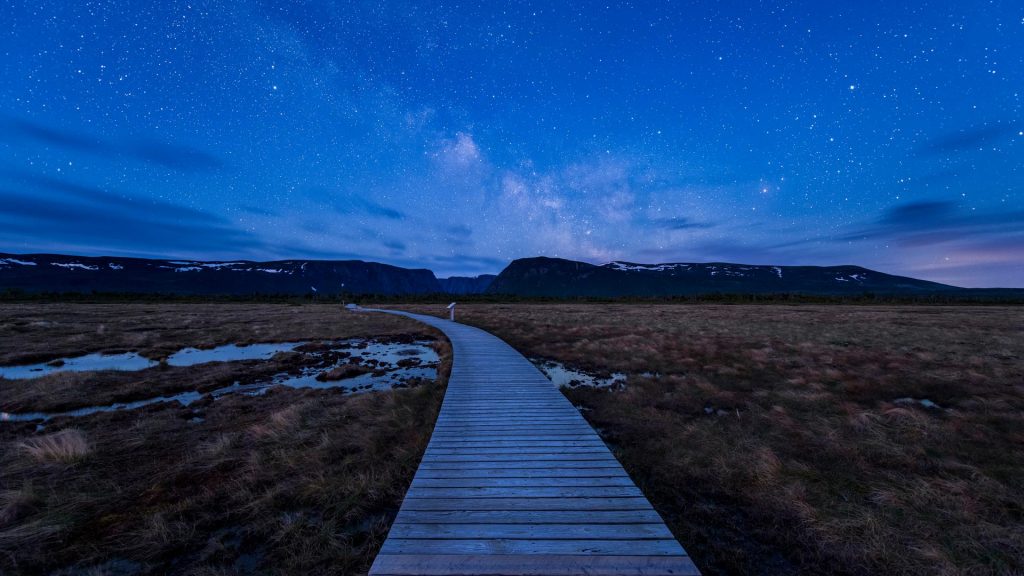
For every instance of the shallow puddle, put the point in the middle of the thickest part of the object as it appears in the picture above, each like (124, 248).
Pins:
(230, 353)
(389, 365)
(131, 362)
(563, 376)
(90, 362)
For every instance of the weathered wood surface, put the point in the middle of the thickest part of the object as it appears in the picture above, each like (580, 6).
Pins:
(514, 481)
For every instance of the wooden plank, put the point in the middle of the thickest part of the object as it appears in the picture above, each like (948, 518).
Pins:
(578, 448)
(532, 452)
(532, 565)
(484, 425)
(518, 403)
(546, 472)
(532, 517)
(519, 464)
(523, 504)
(527, 492)
(513, 435)
(574, 447)
(533, 482)
(512, 417)
(574, 531)
(484, 434)
(565, 410)
(513, 546)
(585, 457)
(571, 439)
(491, 426)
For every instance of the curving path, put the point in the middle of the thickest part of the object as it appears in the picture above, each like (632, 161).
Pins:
(514, 481)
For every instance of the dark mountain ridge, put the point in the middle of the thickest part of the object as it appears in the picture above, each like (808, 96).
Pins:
(527, 277)
(558, 278)
(467, 284)
(60, 273)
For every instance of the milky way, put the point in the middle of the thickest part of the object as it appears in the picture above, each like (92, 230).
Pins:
(460, 136)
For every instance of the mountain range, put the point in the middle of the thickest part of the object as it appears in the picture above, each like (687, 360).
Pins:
(59, 273)
(554, 277)
(526, 277)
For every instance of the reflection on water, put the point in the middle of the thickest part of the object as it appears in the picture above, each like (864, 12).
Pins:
(89, 362)
(230, 353)
(130, 361)
(563, 376)
(185, 398)
(392, 365)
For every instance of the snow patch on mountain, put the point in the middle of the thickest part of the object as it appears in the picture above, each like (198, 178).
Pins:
(853, 277)
(9, 261)
(629, 267)
(75, 266)
(220, 264)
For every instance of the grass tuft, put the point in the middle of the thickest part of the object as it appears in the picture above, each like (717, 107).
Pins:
(67, 446)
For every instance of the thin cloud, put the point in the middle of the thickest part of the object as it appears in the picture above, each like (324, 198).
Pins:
(967, 139)
(63, 190)
(678, 223)
(935, 222)
(174, 156)
(349, 203)
(73, 214)
(87, 222)
(375, 209)
(458, 235)
(394, 245)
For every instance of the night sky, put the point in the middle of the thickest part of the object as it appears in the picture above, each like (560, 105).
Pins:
(457, 137)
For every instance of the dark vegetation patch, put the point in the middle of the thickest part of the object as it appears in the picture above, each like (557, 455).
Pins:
(343, 372)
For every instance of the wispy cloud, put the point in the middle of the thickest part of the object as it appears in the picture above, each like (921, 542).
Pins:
(350, 202)
(54, 189)
(678, 223)
(394, 245)
(64, 213)
(934, 222)
(967, 139)
(174, 156)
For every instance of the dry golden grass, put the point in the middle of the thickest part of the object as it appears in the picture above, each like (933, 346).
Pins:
(775, 439)
(67, 446)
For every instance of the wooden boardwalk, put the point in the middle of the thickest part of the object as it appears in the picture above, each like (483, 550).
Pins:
(514, 481)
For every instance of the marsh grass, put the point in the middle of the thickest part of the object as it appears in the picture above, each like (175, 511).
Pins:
(776, 439)
(41, 332)
(67, 446)
(297, 481)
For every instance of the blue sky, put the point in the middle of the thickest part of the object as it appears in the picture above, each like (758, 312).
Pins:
(460, 136)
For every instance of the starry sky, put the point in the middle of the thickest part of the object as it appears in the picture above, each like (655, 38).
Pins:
(459, 136)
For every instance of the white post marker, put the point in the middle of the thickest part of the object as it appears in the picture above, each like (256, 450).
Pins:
(451, 311)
